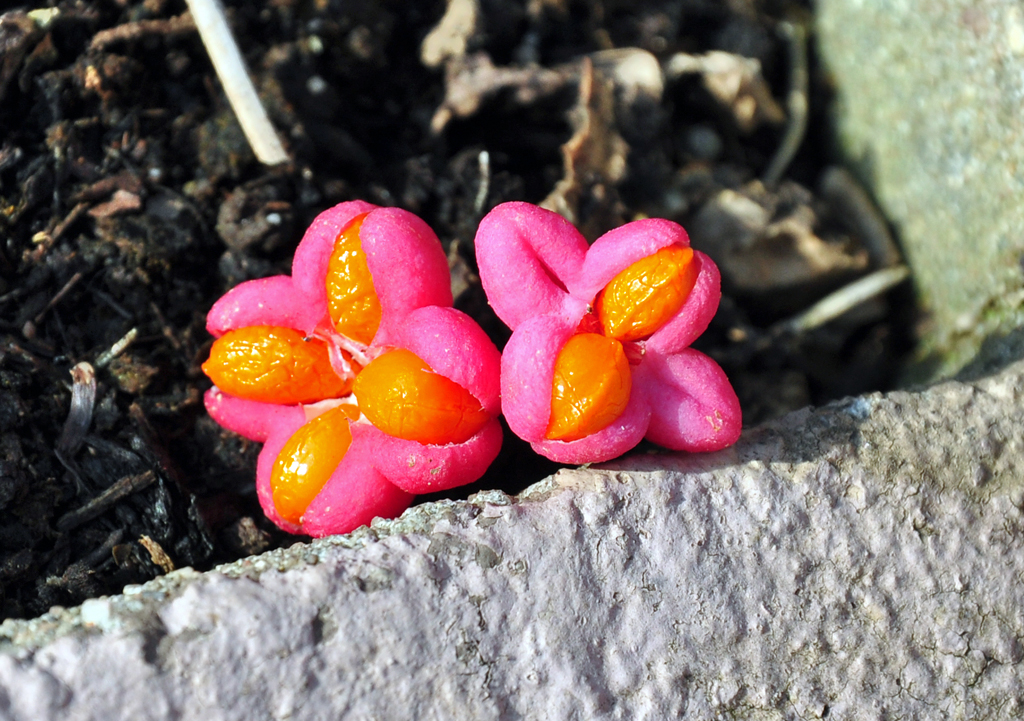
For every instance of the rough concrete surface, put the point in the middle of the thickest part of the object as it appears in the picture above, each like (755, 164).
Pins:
(858, 561)
(929, 107)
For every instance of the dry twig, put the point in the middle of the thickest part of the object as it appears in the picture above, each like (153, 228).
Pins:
(796, 103)
(121, 488)
(178, 25)
(847, 298)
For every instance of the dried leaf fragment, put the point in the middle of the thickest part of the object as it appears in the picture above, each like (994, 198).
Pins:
(736, 82)
(121, 202)
(449, 38)
(760, 253)
(472, 79)
(594, 158)
(157, 553)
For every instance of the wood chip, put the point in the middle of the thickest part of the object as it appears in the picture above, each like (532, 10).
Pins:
(157, 554)
(594, 158)
(120, 203)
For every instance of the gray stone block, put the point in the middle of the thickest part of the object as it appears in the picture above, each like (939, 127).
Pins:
(929, 109)
(861, 560)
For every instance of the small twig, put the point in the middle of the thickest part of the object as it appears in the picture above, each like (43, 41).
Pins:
(846, 298)
(164, 327)
(60, 296)
(126, 179)
(121, 488)
(14, 294)
(29, 331)
(227, 61)
(70, 218)
(117, 349)
(856, 210)
(752, 341)
(133, 31)
(484, 161)
(796, 103)
(112, 304)
(45, 239)
(103, 553)
(12, 349)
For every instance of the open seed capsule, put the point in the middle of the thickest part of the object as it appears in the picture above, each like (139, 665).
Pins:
(274, 365)
(351, 298)
(402, 396)
(641, 298)
(590, 388)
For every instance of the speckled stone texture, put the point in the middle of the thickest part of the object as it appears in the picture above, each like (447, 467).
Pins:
(859, 561)
(930, 98)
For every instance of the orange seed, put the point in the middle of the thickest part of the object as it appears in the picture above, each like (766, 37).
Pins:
(351, 298)
(641, 299)
(307, 460)
(403, 397)
(273, 365)
(591, 387)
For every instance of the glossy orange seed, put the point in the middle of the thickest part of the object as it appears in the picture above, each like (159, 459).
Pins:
(642, 298)
(591, 387)
(307, 460)
(351, 298)
(403, 397)
(273, 365)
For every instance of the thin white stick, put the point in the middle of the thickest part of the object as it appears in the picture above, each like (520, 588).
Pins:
(848, 297)
(484, 161)
(227, 61)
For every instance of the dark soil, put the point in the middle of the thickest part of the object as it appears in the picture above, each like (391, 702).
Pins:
(130, 201)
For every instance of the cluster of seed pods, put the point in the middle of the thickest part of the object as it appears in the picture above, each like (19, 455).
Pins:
(366, 387)
(363, 383)
(599, 356)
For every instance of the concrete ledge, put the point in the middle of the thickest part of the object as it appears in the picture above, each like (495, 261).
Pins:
(861, 560)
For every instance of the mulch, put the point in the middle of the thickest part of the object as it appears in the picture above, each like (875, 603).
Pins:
(130, 201)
